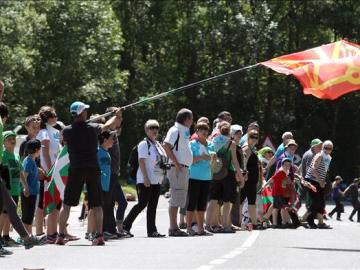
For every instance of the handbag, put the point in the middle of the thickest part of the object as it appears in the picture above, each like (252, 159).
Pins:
(220, 165)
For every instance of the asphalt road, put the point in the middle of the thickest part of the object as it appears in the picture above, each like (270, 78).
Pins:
(270, 249)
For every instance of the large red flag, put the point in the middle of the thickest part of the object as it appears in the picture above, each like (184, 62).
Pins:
(327, 72)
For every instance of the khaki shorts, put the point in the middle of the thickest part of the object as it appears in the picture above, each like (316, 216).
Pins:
(179, 182)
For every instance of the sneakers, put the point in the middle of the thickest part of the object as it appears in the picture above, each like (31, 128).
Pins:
(60, 240)
(4, 251)
(109, 236)
(324, 226)
(51, 239)
(98, 240)
(29, 242)
(9, 242)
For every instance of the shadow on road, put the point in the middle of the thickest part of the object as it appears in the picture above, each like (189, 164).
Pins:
(328, 249)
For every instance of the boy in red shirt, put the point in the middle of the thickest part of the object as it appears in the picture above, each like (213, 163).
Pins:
(279, 181)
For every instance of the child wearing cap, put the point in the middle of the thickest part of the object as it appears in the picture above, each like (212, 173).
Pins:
(279, 181)
(30, 183)
(10, 172)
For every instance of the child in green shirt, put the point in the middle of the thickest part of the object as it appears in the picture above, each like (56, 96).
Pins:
(10, 173)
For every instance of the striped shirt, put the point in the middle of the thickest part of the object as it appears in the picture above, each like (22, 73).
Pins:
(321, 169)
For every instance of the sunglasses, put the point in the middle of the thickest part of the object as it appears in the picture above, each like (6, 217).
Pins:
(154, 127)
(254, 137)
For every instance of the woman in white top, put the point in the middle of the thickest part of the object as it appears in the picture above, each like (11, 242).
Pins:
(152, 158)
(50, 142)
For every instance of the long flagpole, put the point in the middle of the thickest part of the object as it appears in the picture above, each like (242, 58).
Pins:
(172, 91)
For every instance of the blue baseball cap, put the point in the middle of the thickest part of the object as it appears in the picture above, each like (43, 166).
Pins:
(78, 107)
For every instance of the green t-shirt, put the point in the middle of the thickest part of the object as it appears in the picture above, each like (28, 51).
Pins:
(1, 139)
(12, 163)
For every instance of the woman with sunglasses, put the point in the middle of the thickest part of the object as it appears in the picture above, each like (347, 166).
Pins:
(252, 166)
(49, 137)
(316, 175)
(151, 171)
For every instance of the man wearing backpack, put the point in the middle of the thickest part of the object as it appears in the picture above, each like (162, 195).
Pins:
(177, 148)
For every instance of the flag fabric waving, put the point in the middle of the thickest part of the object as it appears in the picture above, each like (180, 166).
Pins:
(55, 181)
(327, 72)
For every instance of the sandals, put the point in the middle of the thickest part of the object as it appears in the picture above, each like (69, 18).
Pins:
(204, 233)
(227, 230)
(177, 233)
(191, 232)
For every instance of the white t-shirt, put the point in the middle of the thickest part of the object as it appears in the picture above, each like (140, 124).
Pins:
(184, 154)
(53, 135)
(154, 172)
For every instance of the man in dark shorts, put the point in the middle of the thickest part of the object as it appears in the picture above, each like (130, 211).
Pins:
(81, 139)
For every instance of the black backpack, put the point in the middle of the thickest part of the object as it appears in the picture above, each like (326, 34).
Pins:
(133, 162)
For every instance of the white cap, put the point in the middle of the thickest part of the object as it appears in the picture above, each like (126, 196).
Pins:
(78, 107)
(234, 129)
(287, 134)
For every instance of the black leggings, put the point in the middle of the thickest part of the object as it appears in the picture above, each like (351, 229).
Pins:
(317, 201)
(148, 197)
(249, 192)
(198, 194)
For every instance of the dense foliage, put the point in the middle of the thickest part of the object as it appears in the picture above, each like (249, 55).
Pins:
(115, 52)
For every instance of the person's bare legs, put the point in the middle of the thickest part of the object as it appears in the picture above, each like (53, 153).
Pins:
(2, 222)
(39, 221)
(252, 213)
(275, 216)
(189, 219)
(6, 226)
(182, 219)
(269, 212)
(98, 218)
(285, 217)
(64, 216)
(91, 228)
(210, 213)
(200, 217)
(52, 222)
(225, 220)
(173, 211)
(28, 228)
(320, 217)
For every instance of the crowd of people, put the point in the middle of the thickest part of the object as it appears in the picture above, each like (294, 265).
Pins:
(220, 182)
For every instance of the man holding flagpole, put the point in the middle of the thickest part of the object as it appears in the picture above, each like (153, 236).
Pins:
(81, 138)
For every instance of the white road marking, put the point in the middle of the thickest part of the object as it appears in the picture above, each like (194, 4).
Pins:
(232, 254)
(218, 261)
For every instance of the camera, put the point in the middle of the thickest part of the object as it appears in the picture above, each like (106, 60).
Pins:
(164, 166)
